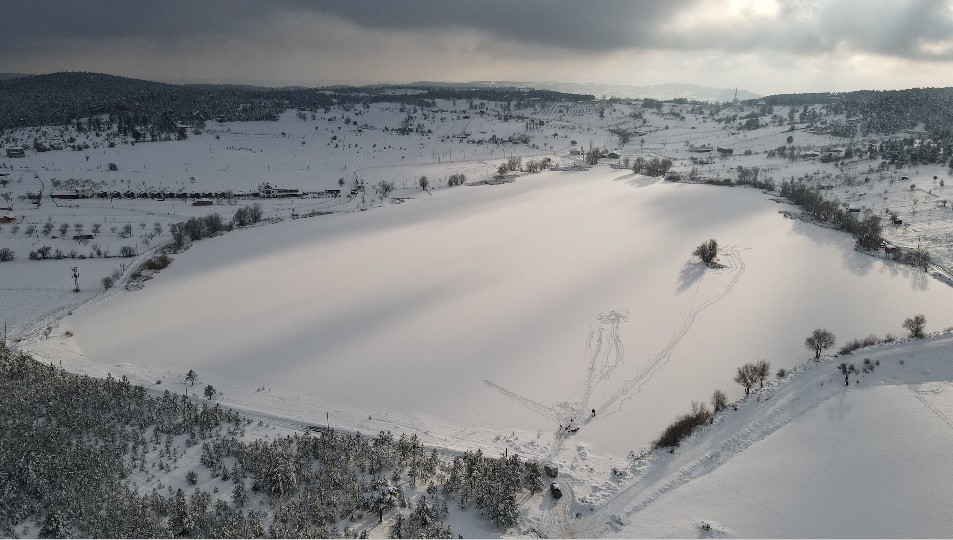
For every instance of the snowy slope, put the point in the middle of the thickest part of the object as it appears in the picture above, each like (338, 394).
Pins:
(805, 457)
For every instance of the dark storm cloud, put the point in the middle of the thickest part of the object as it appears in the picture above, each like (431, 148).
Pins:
(888, 28)
(584, 25)
(894, 28)
(765, 43)
(29, 25)
(572, 24)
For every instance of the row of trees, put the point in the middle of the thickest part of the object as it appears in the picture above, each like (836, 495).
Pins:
(867, 230)
(758, 372)
(651, 167)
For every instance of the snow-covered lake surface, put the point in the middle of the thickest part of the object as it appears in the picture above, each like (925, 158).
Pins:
(566, 291)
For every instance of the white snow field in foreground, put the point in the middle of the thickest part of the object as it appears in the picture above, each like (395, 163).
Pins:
(402, 313)
(807, 458)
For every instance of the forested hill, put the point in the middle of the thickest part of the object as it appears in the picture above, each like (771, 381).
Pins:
(886, 111)
(62, 98)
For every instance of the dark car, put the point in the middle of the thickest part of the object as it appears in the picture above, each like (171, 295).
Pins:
(555, 490)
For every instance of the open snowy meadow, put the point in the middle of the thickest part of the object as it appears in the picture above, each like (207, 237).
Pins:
(502, 313)
(560, 316)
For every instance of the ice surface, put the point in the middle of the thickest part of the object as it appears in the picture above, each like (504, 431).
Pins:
(409, 309)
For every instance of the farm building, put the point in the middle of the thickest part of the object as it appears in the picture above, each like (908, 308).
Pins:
(8, 218)
(16, 152)
(202, 202)
(82, 193)
(267, 191)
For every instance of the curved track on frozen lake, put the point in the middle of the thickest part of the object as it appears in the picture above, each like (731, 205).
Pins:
(604, 355)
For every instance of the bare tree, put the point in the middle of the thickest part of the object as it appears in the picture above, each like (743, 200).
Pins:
(819, 340)
(764, 371)
(915, 325)
(746, 376)
(423, 183)
(719, 401)
(384, 189)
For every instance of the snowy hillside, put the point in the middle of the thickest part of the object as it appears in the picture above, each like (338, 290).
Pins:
(430, 277)
(805, 457)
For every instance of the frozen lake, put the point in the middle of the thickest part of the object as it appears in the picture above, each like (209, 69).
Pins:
(411, 308)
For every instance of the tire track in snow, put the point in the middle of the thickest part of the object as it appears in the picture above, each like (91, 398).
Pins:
(927, 404)
(736, 266)
(604, 339)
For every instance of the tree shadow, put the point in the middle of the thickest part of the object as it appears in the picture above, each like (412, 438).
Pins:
(638, 180)
(689, 275)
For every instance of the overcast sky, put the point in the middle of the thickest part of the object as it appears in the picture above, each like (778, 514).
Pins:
(764, 46)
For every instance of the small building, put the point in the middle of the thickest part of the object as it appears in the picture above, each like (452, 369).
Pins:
(83, 237)
(574, 152)
(8, 218)
(16, 152)
(700, 149)
(202, 202)
(267, 191)
(82, 193)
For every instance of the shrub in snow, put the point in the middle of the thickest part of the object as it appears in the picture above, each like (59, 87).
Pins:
(719, 401)
(247, 215)
(707, 251)
(852, 346)
(683, 426)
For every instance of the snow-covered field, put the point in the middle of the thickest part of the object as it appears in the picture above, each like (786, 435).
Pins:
(481, 308)
(806, 457)
(493, 316)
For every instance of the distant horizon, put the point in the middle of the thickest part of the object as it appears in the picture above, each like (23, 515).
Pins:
(764, 46)
(317, 83)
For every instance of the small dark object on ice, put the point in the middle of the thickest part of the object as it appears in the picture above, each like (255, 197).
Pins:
(555, 490)
(593, 413)
(706, 526)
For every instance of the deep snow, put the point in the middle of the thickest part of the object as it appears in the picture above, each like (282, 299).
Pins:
(485, 317)
(408, 310)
